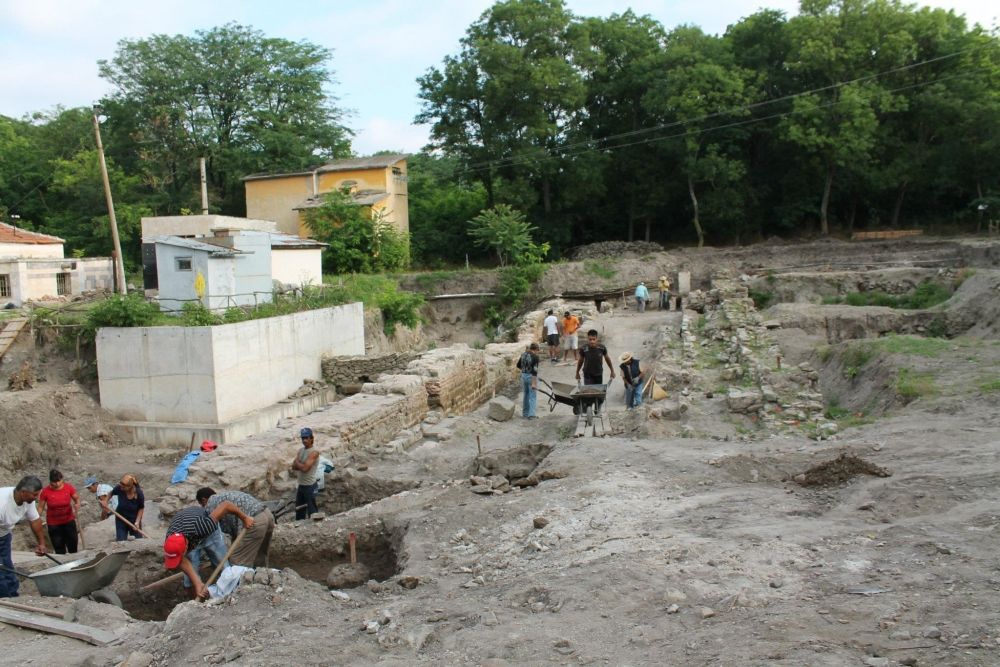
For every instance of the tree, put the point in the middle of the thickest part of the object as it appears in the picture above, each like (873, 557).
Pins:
(505, 104)
(508, 234)
(700, 90)
(359, 241)
(245, 101)
(441, 204)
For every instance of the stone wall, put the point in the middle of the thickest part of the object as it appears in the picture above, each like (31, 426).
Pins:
(341, 370)
(458, 379)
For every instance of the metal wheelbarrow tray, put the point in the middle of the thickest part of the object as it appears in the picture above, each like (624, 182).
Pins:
(586, 401)
(80, 578)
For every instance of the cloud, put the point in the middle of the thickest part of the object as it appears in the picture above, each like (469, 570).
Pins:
(389, 134)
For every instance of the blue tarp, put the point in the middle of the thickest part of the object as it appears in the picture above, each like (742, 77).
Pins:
(181, 471)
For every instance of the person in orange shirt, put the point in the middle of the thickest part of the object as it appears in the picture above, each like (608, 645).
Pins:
(571, 323)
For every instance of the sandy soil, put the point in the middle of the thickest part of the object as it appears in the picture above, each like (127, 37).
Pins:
(693, 547)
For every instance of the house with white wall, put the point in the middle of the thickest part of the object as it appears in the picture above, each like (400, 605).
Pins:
(32, 267)
(295, 261)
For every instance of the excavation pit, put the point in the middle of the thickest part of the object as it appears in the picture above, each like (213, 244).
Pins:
(378, 548)
(350, 490)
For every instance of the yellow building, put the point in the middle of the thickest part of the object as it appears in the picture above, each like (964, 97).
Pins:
(377, 183)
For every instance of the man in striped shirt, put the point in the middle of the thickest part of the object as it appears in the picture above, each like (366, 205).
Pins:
(193, 530)
(252, 550)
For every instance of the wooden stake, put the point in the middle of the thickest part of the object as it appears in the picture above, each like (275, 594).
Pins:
(352, 540)
(479, 445)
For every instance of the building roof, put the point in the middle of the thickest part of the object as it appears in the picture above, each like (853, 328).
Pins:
(361, 198)
(347, 164)
(12, 234)
(289, 242)
(193, 244)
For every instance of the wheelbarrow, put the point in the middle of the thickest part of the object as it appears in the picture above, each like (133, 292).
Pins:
(86, 577)
(585, 399)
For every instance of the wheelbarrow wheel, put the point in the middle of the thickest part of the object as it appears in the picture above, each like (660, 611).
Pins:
(107, 596)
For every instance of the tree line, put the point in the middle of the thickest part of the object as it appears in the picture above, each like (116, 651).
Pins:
(852, 114)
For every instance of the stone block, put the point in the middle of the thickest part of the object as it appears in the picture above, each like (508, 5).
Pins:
(501, 409)
(744, 401)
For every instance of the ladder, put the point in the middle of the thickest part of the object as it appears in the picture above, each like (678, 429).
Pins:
(10, 332)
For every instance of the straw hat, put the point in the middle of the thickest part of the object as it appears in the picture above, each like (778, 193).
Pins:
(663, 277)
(626, 357)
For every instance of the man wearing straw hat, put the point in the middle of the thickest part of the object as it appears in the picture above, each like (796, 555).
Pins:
(632, 376)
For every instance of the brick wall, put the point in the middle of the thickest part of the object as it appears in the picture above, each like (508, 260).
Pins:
(341, 370)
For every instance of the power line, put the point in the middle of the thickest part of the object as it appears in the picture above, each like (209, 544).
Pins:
(592, 143)
(584, 147)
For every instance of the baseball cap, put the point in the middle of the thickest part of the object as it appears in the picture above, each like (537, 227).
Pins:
(89, 481)
(306, 433)
(174, 548)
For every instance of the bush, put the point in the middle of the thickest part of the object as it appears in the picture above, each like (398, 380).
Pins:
(195, 314)
(120, 311)
(761, 300)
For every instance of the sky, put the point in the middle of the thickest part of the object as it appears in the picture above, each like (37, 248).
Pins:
(49, 48)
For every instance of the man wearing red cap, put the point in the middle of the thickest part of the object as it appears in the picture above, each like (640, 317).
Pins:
(192, 530)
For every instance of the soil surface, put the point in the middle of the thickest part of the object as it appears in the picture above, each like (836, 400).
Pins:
(690, 536)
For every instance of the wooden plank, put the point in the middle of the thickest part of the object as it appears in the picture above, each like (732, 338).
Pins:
(94, 636)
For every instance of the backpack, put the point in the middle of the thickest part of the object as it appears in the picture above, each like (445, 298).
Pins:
(525, 362)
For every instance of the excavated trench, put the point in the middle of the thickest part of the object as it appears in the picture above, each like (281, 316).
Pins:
(379, 547)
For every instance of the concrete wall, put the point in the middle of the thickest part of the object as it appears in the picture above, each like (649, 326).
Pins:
(47, 250)
(253, 271)
(177, 287)
(201, 225)
(297, 266)
(211, 375)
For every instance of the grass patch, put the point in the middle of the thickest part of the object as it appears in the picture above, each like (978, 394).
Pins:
(911, 384)
(431, 279)
(856, 357)
(598, 269)
(926, 295)
(915, 345)
(990, 386)
(844, 417)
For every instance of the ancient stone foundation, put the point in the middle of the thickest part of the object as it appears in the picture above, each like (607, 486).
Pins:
(344, 370)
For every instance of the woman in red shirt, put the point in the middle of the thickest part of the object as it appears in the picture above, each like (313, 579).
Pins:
(60, 503)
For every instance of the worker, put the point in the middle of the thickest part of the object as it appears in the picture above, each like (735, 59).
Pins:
(131, 505)
(59, 503)
(103, 493)
(194, 530)
(664, 288)
(570, 323)
(632, 376)
(16, 503)
(306, 464)
(641, 297)
(252, 550)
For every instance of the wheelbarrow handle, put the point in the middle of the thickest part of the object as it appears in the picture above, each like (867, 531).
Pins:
(13, 571)
(52, 558)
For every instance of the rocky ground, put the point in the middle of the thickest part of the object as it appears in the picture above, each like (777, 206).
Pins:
(723, 525)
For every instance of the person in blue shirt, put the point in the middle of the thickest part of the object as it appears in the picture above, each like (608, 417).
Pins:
(641, 297)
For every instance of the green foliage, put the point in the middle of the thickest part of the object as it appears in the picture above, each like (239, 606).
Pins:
(234, 315)
(246, 101)
(761, 299)
(357, 242)
(914, 345)
(120, 311)
(926, 295)
(599, 269)
(855, 357)
(195, 314)
(911, 384)
(990, 386)
(516, 282)
(506, 232)
(375, 291)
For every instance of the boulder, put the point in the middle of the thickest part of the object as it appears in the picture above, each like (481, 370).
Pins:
(347, 575)
(744, 401)
(501, 409)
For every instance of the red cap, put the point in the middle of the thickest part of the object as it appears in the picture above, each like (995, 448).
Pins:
(174, 548)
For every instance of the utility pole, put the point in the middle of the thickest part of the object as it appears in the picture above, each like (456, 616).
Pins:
(116, 260)
(204, 187)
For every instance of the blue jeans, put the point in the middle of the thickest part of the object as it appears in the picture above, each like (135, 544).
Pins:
(9, 585)
(122, 531)
(633, 395)
(306, 495)
(213, 546)
(530, 398)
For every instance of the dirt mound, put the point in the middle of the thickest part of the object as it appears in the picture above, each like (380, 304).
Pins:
(614, 250)
(839, 470)
(42, 426)
(974, 309)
